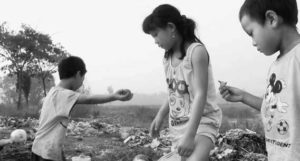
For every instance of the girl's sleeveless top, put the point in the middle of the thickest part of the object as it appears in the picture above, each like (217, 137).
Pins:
(181, 95)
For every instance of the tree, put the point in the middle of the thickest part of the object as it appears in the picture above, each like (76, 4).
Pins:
(8, 90)
(44, 68)
(9, 95)
(28, 53)
(25, 85)
(37, 89)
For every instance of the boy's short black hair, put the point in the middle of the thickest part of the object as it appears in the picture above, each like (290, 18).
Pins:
(256, 9)
(68, 67)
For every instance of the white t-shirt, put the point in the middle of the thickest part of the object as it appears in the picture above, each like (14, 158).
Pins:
(281, 108)
(53, 122)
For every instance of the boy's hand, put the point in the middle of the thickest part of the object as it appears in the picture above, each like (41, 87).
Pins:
(186, 146)
(155, 127)
(123, 95)
(231, 94)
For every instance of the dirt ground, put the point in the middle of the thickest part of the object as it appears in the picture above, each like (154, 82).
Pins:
(101, 144)
(109, 142)
(98, 148)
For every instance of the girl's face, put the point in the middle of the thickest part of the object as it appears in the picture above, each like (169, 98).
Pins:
(164, 37)
(264, 37)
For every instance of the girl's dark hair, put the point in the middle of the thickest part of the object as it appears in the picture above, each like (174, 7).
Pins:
(69, 66)
(164, 14)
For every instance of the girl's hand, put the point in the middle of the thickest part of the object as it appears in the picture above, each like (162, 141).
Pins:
(186, 146)
(123, 95)
(231, 94)
(155, 126)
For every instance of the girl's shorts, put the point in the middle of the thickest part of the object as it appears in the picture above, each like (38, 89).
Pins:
(204, 130)
(209, 126)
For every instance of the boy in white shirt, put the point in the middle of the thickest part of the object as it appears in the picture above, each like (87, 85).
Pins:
(272, 26)
(55, 113)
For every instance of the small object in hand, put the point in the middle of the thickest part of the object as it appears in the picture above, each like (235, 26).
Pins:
(141, 157)
(222, 83)
(123, 92)
(18, 135)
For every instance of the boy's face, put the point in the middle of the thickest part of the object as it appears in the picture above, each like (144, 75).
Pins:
(163, 38)
(78, 80)
(264, 37)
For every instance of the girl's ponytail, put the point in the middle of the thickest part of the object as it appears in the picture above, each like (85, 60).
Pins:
(186, 28)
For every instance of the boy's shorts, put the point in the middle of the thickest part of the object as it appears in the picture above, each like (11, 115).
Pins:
(35, 157)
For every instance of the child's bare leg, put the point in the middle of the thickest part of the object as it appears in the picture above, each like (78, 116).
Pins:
(203, 146)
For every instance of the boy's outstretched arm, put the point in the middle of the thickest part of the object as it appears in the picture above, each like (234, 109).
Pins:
(121, 95)
(4, 142)
(233, 94)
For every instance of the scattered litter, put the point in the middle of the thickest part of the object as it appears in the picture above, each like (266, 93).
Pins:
(141, 157)
(235, 144)
(18, 135)
(81, 158)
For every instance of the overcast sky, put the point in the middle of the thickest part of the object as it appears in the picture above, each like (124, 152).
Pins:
(109, 37)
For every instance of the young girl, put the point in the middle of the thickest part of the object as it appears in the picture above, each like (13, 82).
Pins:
(194, 117)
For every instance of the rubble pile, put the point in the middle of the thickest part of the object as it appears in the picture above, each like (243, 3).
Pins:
(91, 128)
(239, 145)
(13, 122)
(8, 124)
(126, 142)
(234, 145)
(141, 138)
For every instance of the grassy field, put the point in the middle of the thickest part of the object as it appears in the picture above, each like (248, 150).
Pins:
(241, 116)
(234, 115)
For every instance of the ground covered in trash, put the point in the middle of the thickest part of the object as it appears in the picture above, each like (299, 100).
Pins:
(107, 142)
